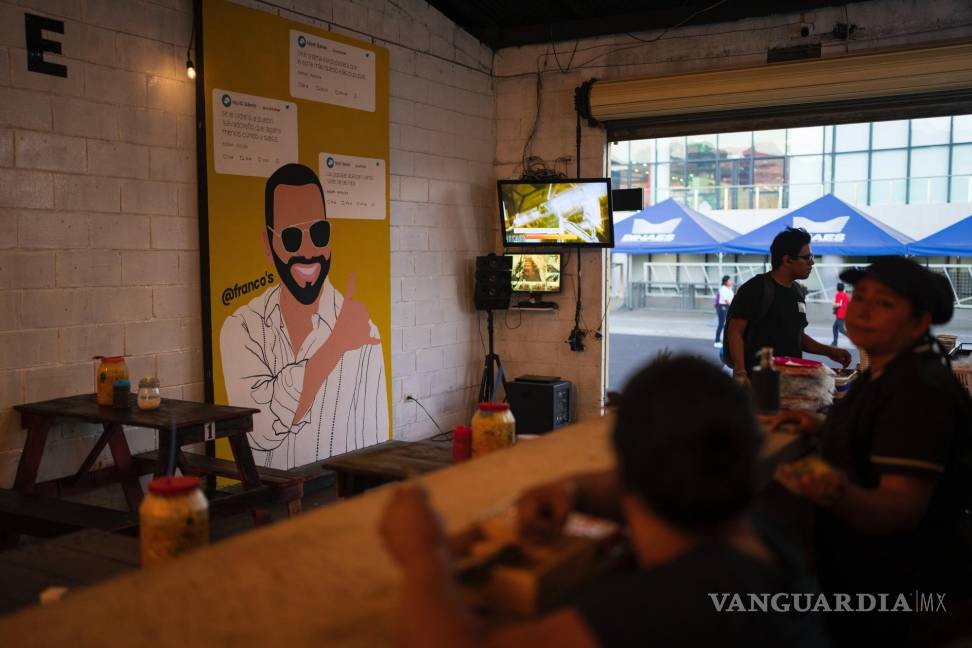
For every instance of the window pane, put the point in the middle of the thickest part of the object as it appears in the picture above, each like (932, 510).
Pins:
(889, 170)
(962, 128)
(664, 147)
(735, 145)
(962, 160)
(701, 147)
(618, 151)
(639, 175)
(926, 162)
(619, 176)
(852, 137)
(800, 195)
(851, 166)
(804, 174)
(701, 182)
(929, 168)
(932, 130)
(643, 151)
(771, 142)
(768, 178)
(662, 182)
(889, 164)
(805, 169)
(890, 134)
(850, 175)
(800, 141)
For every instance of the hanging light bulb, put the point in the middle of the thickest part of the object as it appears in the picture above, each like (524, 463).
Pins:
(190, 69)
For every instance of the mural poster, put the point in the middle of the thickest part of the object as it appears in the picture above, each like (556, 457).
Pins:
(298, 251)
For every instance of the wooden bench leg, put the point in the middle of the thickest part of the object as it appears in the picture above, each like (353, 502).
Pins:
(124, 465)
(27, 466)
(30, 458)
(246, 466)
(294, 507)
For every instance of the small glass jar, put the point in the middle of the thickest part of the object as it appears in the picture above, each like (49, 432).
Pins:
(149, 396)
(173, 519)
(110, 369)
(493, 428)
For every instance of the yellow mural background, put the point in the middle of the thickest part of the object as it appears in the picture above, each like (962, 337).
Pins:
(247, 51)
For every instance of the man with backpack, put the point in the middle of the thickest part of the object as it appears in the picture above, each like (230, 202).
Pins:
(770, 309)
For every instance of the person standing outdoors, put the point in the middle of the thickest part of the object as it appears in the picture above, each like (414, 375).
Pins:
(723, 299)
(770, 310)
(841, 299)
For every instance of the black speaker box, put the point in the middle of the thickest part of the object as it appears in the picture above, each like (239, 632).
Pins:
(494, 262)
(539, 405)
(494, 276)
(628, 199)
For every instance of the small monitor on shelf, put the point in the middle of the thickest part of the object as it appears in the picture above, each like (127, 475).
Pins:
(536, 274)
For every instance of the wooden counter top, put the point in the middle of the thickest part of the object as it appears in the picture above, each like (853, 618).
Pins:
(321, 579)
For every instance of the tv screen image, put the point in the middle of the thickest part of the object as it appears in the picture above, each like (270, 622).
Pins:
(536, 273)
(557, 212)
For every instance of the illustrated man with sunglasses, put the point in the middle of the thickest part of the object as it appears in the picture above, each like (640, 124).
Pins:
(770, 309)
(306, 355)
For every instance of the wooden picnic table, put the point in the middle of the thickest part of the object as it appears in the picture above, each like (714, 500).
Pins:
(75, 560)
(320, 578)
(362, 469)
(177, 422)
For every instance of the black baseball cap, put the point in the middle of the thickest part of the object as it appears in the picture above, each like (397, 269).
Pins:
(928, 292)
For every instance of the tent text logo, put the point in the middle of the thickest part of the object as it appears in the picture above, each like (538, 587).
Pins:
(829, 231)
(644, 231)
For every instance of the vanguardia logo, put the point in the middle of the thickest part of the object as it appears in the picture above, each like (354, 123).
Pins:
(840, 602)
(828, 231)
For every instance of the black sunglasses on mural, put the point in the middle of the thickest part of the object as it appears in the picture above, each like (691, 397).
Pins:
(291, 237)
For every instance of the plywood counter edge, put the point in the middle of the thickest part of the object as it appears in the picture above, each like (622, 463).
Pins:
(320, 578)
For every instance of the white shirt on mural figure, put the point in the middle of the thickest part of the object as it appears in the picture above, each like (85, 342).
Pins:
(309, 358)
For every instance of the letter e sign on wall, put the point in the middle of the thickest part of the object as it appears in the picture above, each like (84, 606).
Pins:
(37, 45)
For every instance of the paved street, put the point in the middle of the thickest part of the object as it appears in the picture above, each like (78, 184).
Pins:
(628, 353)
(637, 336)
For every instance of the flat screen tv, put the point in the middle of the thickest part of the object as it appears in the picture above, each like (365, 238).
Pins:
(536, 273)
(569, 212)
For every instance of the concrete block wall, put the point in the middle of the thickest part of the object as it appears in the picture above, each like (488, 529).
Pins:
(536, 344)
(98, 223)
(99, 249)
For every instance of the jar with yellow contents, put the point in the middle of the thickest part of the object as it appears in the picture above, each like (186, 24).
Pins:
(493, 428)
(110, 369)
(173, 519)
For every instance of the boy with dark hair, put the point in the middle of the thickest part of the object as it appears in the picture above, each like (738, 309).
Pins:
(770, 310)
(686, 444)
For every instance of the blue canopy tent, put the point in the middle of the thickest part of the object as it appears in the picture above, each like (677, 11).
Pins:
(954, 240)
(835, 228)
(670, 228)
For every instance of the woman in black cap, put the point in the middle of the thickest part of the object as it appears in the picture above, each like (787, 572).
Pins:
(893, 514)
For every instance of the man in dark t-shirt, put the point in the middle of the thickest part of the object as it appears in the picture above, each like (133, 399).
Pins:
(686, 445)
(769, 310)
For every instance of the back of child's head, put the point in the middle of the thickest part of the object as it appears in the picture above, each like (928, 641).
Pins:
(687, 442)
